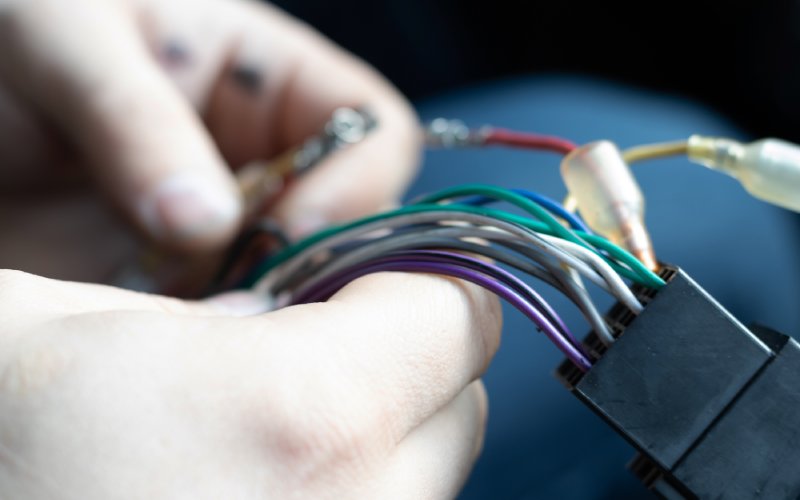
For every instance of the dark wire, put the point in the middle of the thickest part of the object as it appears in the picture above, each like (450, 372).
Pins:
(260, 228)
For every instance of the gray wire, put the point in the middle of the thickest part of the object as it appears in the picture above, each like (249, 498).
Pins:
(621, 291)
(450, 238)
(625, 295)
(291, 266)
(576, 291)
(278, 274)
(428, 236)
(571, 286)
(581, 297)
(384, 246)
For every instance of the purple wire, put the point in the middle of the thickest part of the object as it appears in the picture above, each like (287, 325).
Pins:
(500, 275)
(491, 270)
(412, 263)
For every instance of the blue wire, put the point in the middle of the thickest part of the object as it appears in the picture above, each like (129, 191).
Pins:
(549, 204)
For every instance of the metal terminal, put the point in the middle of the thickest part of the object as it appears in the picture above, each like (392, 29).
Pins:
(445, 133)
(347, 126)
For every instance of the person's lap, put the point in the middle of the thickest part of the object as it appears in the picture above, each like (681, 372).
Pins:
(541, 442)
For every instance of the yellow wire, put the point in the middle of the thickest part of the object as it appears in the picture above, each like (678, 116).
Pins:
(653, 151)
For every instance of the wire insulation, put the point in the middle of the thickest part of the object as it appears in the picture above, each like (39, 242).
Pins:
(527, 140)
(633, 269)
(405, 263)
(441, 213)
(655, 151)
(549, 204)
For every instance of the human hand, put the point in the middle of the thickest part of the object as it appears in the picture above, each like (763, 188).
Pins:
(155, 100)
(106, 393)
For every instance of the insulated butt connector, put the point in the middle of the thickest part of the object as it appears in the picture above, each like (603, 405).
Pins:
(769, 169)
(608, 197)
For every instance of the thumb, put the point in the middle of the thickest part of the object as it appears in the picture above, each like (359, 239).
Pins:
(23, 294)
(86, 64)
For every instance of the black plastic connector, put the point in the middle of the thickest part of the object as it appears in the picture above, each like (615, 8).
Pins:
(712, 406)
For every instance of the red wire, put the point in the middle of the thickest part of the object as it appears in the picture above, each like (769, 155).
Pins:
(529, 141)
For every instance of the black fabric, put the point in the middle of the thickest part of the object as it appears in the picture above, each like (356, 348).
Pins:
(740, 57)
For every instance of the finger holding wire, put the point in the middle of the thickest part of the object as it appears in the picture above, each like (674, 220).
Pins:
(433, 215)
(463, 260)
(535, 263)
(413, 262)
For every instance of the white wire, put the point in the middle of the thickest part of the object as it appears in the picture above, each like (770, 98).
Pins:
(618, 288)
(276, 275)
(596, 320)
(577, 258)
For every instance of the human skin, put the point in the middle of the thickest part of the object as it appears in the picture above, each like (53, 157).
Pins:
(108, 393)
(157, 101)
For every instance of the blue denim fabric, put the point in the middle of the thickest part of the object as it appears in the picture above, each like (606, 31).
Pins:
(541, 442)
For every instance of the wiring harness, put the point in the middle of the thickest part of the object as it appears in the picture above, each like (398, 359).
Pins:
(509, 240)
(598, 236)
(443, 232)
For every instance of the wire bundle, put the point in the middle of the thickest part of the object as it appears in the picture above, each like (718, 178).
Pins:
(447, 233)
(456, 232)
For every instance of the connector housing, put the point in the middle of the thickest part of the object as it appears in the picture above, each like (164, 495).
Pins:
(712, 406)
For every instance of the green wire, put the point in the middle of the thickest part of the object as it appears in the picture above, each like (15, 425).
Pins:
(533, 208)
(557, 229)
(635, 270)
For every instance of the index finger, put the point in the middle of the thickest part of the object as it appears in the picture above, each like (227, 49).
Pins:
(306, 78)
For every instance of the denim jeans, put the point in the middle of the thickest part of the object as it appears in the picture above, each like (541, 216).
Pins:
(541, 442)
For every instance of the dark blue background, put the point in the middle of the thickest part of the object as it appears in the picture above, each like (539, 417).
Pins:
(542, 443)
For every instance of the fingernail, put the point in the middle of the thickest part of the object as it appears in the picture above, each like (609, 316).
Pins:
(242, 303)
(189, 207)
(304, 223)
